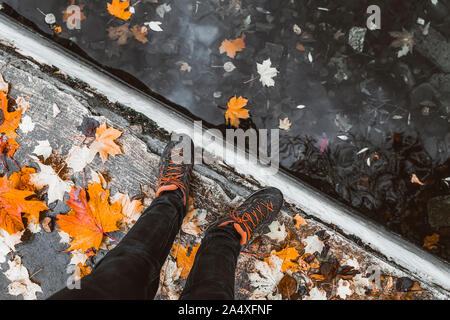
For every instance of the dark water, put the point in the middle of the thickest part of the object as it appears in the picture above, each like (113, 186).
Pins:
(370, 120)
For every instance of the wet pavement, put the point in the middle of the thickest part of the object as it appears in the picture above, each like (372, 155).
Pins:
(368, 127)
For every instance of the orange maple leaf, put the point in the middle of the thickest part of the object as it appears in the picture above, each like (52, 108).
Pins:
(21, 179)
(288, 254)
(11, 119)
(104, 142)
(88, 221)
(232, 46)
(299, 221)
(13, 204)
(183, 260)
(117, 9)
(235, 111)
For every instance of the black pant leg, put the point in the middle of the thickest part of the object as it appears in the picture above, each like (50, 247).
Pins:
(212, 276)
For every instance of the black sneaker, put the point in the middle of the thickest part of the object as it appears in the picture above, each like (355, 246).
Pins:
(257, 211)
(175, 167)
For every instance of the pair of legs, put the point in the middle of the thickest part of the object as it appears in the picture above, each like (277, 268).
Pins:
(132, 269)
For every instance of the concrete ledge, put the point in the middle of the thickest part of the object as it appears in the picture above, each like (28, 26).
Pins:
(414, 260)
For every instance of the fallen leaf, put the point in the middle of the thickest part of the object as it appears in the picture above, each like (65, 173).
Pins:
(117, 9)
(184, 261)
(185, 67)
(22, 104)
(79, 157)
(287, 286)
(13, 204)
(285, 124)
(343, 289)
(104, 143)
(47, 224)
(55, 110)
(4, 86)
(88, 221)
(162, 9)
(267, 276)
(9, 147)
(277, 231)
(299, 221)
(11, 119)
(43, 149)
(120, 33)
(192, 222)
(8, 243)
(140, 33)
(266, 72)
(131, 209)
(27, 125)
(289, 256)
(48, 177)
(232, 46)
(300, 47)
(154, 25)
(430, 242)
(415, 179)
(236, 111)
(20, 280)
(316, 294)
(313, 244)
(403, 40)
(169, 274)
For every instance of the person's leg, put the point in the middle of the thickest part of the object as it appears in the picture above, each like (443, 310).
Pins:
(131, 270)
(212, 276)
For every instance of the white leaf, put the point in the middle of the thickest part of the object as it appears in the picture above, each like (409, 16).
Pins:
(27, 124)
(343, 289)
(361, 284)
(267, 73)
(20, 280)
(130, 209)
(316, 294)
(43, 149)
(363, 150)
(78, 256)
(310, 57)
(22, 104)
(154, 25)
(403, 51)
(297, 29)
(343, 138)
(8, 242)
(56, 110)
(301, 106)
(267, 278)
(48, 177)
(80, 158)
(313, 244)
(229, 66)
(65, 237)
(277, 231)
(285, 124)
(4, 86)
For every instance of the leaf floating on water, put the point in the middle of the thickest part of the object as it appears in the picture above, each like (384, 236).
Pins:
(343, 138)
(236, 111)
(363, 150)
(118, 9)
(232, 46)
(285, 124)
(415, 179)
(154, 25)
(266, 72)
(229, 66)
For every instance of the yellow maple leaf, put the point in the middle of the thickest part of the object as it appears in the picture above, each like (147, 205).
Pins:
(117, 9)
(235, 111)
(232, 46)
(184, 261)
(299, 221)
(289, 255)
(104, 142)
(11, 119)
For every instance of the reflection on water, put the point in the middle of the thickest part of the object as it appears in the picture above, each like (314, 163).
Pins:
(364, 124)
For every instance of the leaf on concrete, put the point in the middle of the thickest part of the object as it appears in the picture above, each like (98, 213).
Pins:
(277, 231)
(20, 280)
(169, 274)
(185, 258)
(289, 256)
(316, 294)
(27, 125)
(11, 119)
(7, 243)
(13, 203)
(299, 221)
(267, 276)
(287, 286)
(104, 143)
(313, 244)
(131, 209)
(9, 147)
(4, 86)
(193, 220)
(343, 289)
(57, 187)
(43, 149)
(88, 221)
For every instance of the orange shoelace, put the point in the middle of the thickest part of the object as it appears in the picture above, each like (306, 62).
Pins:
(250, 219)
(173, 175)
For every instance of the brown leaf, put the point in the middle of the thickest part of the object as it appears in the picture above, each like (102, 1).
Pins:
(430, 242)
(140, 33)
(287, 286)
(120, 33)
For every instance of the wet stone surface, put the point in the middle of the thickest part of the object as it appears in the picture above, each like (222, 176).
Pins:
(371, 118)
